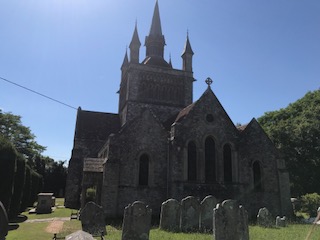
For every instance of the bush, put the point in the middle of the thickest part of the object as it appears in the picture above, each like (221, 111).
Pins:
(8, 156)
(310, 203)
(19, 181)
(90, 195)
(26, 190)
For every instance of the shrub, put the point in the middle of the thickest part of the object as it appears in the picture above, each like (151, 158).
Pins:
(26, 190)
(8, 156)
(310, 203)
(90, 195)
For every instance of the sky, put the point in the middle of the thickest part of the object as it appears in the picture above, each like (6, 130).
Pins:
(261, 55)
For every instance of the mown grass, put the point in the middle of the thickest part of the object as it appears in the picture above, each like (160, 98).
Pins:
(36, 230)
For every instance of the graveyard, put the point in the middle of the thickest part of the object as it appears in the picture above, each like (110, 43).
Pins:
(44, 226)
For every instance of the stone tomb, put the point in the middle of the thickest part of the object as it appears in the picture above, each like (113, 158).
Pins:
(206, 213)
(230, 221)
(170, 215)
(264, 218)
(92, 219)
(44, 203)
(3, 222)
(79, 235)
(190, 211)
(136, 221)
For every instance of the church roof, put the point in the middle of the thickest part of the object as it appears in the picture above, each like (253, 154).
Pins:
(156, 61)
(96, 125)
(184, 112)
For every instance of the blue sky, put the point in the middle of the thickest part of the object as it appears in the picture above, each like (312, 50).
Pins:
(262, 55)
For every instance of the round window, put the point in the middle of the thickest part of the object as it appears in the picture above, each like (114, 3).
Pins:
(209, 118)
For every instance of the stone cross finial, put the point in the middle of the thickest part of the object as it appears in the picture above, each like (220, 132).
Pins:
(209, 81)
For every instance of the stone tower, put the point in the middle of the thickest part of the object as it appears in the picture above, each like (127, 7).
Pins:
(153, 83)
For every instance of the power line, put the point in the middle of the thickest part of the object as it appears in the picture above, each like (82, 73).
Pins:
(42, 95)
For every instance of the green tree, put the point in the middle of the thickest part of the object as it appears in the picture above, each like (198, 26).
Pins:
(20, 136)
(295, 130)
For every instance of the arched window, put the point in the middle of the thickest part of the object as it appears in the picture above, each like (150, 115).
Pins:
(227, 163)
(257, 177)
(144, 170)
(210, 160)
(192, 161)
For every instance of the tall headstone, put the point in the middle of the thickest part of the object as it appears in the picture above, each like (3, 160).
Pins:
(3, 222)
(170, 215)
(264, 218)
(79, 235)
(206, 213)
(136, 221)
(230, 221)
(92, 219)
(190, 212)
(44, 203)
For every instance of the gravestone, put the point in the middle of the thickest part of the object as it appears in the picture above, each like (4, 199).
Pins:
(281, 222)
(79, 235)
(92, 219)
(136, 221)
(44, 203)
(206, 213)
(170, 215)
(230, 221)
(264, 218)
(190, 211)
(3, 222)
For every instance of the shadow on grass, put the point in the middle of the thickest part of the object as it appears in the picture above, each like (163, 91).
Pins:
(13, 226)
(19, 219)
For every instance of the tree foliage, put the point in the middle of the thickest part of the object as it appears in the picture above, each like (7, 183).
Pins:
(20, 136)
(295, 130)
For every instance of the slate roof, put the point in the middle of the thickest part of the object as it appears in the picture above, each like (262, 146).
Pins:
(93, 129)
(184, 112)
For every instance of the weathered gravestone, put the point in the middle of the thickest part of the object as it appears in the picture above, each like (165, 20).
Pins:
(190, 211)
(170, 215)
(44, 203)
(281, 222)
(206, 213)
(136, 221)
(264, 218)
(79, 235)
(230, 221)
(92, 219)
(3, 222)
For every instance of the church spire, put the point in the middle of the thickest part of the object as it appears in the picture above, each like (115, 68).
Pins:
(187, 56)
(155, 41)
(125, 61)
(135, 46)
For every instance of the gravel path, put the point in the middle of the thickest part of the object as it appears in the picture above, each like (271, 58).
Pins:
(48, 220)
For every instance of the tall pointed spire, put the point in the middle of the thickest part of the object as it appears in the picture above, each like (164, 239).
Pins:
(135, 46)
(187, 55)
(155, 41)
(125, 61)
(155, 29)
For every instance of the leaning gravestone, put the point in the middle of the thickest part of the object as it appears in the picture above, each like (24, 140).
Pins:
(190, 211)
(136, 221)
(170, 215)
(79, 235)
(230, 221)
(206, 213)
(3, 222)
(92, 219)
(264, 218)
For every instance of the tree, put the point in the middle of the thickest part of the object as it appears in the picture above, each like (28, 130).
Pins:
(295, 130)
(20, 136)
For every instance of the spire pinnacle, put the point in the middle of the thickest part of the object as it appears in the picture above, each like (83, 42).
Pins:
(125, 59)
(155, 29)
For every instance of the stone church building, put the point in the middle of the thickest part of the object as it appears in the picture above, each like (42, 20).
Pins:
(161, 144)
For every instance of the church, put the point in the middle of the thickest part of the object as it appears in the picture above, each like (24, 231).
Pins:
(161, 144)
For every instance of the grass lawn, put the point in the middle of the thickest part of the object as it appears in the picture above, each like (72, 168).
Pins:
(37, 230)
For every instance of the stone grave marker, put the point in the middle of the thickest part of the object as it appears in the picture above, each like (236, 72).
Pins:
(136, 221)
(230, 221)
(44, 203)
(206, 213)
(281, 221)
(92, 219)
(79, 235)
(3, 222)
(170, 215)
(264, 218)
(190, 212)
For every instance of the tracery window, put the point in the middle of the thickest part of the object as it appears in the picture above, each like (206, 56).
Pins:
(210, 160)
(192, 161)
(227, 163)
(144, 170)
(257, 177)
